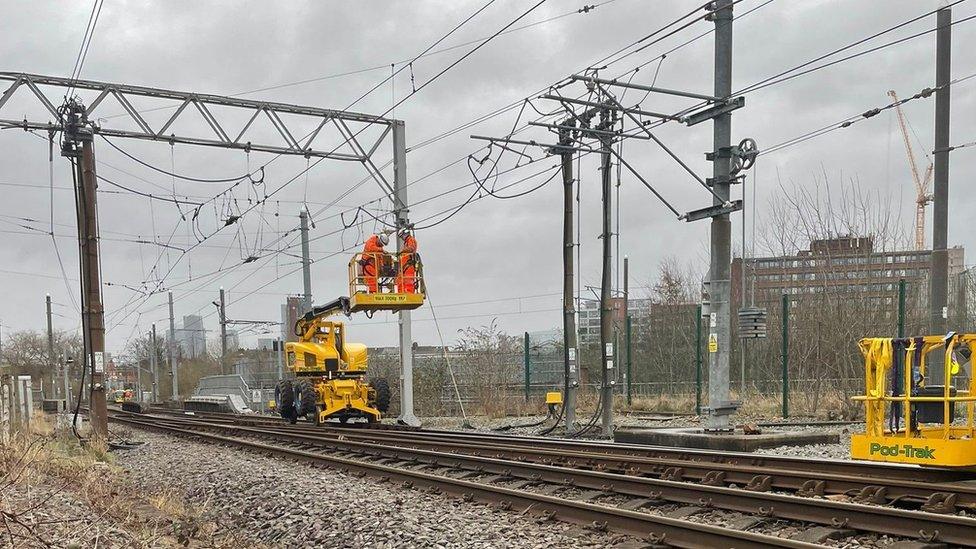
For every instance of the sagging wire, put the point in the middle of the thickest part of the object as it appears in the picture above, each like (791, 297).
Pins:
(137, 160)
(491, 192)
(457, 393)
(54, 240)
(172, 165)
(86, 335)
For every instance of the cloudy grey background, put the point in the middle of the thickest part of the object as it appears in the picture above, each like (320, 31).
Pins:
(494, 259)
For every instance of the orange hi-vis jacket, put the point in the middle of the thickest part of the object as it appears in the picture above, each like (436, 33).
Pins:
(371, 250)
(407, 281)
(373, 245)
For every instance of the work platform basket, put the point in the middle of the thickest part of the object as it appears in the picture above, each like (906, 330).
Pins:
(910, 414)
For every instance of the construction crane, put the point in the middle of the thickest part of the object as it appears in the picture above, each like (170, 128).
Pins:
(923, 197)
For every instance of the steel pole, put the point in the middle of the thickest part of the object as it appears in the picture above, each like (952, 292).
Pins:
(401, 213)
(939, 279)
(786, 355)
(155, 366)
(626, 300)
(66, 384)
(606, 311)
(138, 382)
(223, 332)
(306, 264)
(171, 348)
(50, 347)
(698, 360)
(527, 364)
(720, 406)
(630, 397)
(901, 308)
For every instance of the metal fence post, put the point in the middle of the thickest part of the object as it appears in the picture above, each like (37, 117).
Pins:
(5, 422)
(698, 360)
(901, 308)
(786, 348)
(630, 397)
(528, 378)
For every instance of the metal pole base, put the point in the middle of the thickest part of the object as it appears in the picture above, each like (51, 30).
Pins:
(408, 419)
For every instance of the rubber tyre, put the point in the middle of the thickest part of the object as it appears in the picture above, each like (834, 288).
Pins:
(382, 388)
(285, 397)
(307, 398)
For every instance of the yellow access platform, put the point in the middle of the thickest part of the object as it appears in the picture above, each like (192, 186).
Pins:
(331, 380)
(910, 416)
(385, 282)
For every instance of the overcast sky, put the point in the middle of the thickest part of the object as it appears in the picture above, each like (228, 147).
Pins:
(495, 258)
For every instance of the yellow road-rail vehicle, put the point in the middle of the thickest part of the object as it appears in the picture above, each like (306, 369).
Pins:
(911, 416)
(330, 373)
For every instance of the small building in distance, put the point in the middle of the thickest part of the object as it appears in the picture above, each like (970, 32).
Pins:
(191, 339)
(291, 310)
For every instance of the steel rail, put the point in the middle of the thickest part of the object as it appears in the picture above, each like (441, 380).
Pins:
(866, 481)
(658, 529)
(928, 527)
(858, 469)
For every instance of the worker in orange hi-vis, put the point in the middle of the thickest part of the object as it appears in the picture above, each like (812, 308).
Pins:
(407, 279)
(371, 259)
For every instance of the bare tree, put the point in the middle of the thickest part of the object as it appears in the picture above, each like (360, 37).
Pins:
(830, 317)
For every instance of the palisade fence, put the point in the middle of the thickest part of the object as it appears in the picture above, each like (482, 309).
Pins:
(823, 365)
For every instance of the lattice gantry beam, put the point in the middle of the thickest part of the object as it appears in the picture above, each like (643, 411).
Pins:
(229, 122)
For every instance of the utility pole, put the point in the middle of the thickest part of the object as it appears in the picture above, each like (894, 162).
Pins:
(65, 367)
(626, 318)
(79, 146)
(154, 364)
(939, 282)
(95, 312)
(50, 347)
(223, 331)
(170, 347)
(720, 407)
(606, 311)
(138, 382)
(306, 264)
(401, 211)
(570, 370)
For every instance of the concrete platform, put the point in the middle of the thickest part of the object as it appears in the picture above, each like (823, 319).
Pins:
(693, 437)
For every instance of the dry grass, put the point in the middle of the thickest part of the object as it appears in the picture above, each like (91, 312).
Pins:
(828, 405)
(42, 459)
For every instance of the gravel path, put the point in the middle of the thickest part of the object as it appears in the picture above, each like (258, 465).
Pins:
(833, 452)
(287, 504)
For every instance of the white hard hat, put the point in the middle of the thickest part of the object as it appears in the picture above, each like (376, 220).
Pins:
(384, 239)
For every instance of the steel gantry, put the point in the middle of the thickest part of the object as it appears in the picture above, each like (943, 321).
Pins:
(229, 123)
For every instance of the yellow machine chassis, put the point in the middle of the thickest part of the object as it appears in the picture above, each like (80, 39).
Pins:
(941, 445)
(338, 396)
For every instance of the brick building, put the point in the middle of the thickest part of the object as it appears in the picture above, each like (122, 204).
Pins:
(838, 265)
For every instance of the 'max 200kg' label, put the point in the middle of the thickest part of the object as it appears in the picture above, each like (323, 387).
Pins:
(906, 450)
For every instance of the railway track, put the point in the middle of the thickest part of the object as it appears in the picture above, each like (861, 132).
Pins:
(933, 490)
(527, 474)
